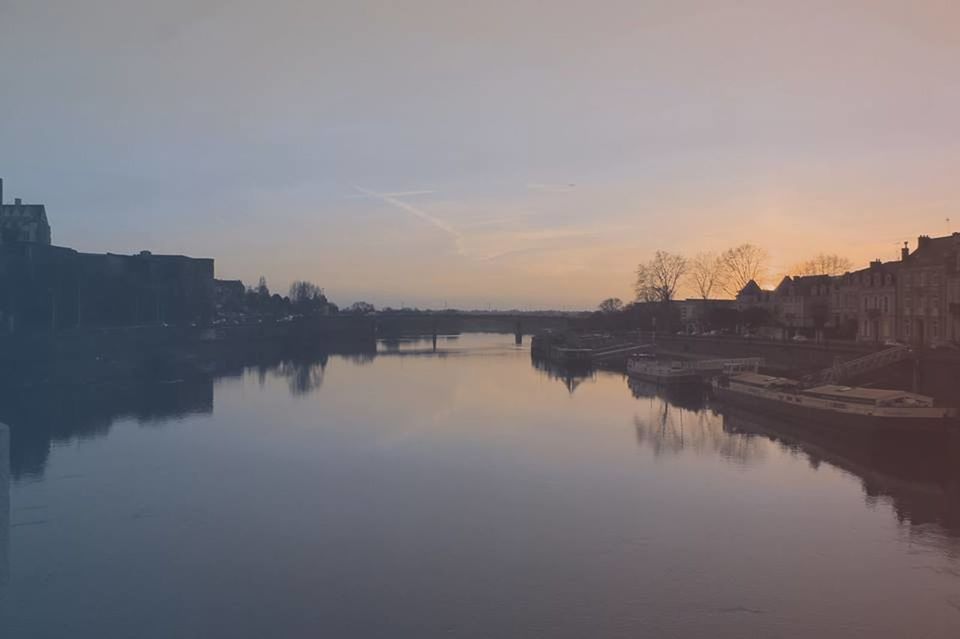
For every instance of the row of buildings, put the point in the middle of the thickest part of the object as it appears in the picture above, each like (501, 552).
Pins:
(915, 299)
(45, 287)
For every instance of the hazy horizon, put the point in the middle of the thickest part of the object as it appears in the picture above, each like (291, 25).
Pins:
(505, 155)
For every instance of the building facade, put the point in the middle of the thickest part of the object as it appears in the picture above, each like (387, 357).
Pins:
(45, 287)
(21, 222)
(50, 288)
(802, 302)
(928, 299)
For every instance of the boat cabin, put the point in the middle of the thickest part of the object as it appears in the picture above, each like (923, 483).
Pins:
(869, 396)
(767, 382)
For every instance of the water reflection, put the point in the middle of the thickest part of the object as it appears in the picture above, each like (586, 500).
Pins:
(466, 496)
(570, 376)
(4, 516)
(919, 475)
(39, 417)
(677, 419)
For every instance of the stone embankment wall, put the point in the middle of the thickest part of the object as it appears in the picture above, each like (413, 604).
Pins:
(934, 372)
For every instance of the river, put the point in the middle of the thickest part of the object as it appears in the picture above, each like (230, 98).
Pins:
(459, 491)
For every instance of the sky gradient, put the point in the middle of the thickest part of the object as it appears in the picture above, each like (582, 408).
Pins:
(505, 154)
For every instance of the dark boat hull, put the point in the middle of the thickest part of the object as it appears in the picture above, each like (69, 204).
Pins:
(812, 416)
(667, 380)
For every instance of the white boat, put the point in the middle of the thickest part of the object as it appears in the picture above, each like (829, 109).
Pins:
(831, 404)
(660, 372)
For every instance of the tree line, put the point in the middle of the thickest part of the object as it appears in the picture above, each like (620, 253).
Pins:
(710, 274)
(303, 298)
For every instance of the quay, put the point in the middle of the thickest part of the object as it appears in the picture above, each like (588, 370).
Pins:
(568, 349)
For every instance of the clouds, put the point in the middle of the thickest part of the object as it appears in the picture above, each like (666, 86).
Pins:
(554, 147)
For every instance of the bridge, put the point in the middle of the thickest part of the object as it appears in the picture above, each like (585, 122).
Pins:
(397, 323)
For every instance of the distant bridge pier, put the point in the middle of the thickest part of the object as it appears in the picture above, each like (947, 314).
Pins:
(518, 333)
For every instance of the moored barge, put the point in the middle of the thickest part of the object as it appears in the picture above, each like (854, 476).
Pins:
(833, 405)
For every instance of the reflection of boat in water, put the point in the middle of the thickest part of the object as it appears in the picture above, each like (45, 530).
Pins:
(689, 396)
(842, 406)
(919, 475)
(660, 372)
(571, 375)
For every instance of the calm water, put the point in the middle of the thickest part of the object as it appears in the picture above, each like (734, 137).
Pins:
(460, 494)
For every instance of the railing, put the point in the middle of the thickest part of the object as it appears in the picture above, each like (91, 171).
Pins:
(736, 363)
(851, 368)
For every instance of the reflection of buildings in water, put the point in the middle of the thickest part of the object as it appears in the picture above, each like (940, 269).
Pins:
(918, 474)
(670, 430)
(4, 515)
(571, 376)
(38, 417)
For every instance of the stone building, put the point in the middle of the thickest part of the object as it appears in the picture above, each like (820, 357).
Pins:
(803, 302)
(928, 297)
(873, 291)
(21, 222)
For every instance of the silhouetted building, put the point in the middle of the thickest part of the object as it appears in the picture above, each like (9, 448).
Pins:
(695, 313)
(47, 288)
(752, 295)
(228, 295)
(21, 222)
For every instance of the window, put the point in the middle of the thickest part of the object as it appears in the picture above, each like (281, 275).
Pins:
(886, 304)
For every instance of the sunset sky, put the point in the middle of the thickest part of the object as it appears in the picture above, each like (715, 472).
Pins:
(498, 153)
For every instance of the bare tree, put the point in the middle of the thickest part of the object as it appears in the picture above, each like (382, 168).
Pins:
(824, 264)
(644, 288)
(707, 273)
(657, 280)
(611, 305)
(743, 263)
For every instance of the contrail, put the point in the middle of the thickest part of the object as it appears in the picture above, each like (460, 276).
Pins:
(397, 194)
(423, 215)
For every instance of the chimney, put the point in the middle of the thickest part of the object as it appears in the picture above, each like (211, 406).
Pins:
(905, 251)
(17, 201)
(922, 241)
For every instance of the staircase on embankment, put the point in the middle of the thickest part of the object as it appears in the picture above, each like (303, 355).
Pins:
(845, 370)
